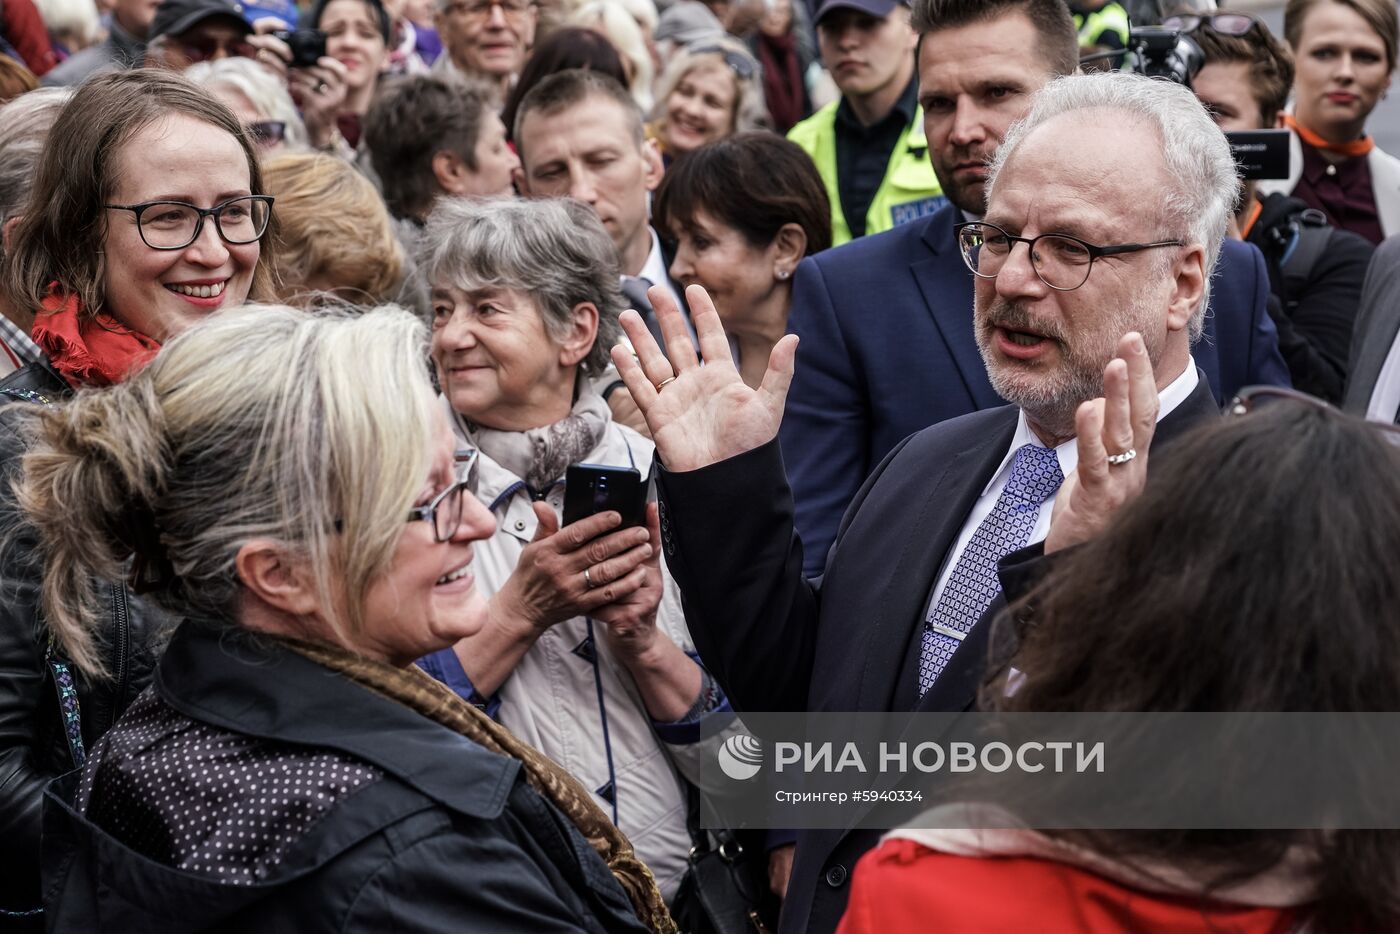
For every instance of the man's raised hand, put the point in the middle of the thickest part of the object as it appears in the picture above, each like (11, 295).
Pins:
(699, 415)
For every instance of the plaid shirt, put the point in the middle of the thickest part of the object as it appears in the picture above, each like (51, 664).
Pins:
(20, 343)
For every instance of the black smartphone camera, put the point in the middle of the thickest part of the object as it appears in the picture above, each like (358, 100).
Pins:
(591, 488)
(307, 45)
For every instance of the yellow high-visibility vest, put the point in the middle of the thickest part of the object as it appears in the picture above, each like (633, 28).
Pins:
(908, 191)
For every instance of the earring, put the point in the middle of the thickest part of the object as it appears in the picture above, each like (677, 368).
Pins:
(782, 273)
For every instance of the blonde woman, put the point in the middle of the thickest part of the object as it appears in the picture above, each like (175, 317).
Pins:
(618, 25)
(295, 489)
(335, 237)
(709, 90)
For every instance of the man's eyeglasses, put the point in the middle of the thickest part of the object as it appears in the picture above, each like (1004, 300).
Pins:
(205, 48)
(739, 63)
(445, 510)
(1251, 398)
(267, 132)
(174, 225)
(1226, 24)
(481, 9)
(1061, 261)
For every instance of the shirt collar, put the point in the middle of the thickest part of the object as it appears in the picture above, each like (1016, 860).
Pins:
(654, 269)
(1175, 393)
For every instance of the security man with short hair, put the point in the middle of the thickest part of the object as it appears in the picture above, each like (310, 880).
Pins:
(869, 145)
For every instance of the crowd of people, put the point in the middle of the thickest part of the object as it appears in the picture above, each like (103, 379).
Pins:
(313, 318)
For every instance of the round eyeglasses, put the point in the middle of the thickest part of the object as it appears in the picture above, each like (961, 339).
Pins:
(445, 509)
(174, 225)
(1062, 262)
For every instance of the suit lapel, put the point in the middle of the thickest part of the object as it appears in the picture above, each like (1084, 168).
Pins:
(940, 514)
(946, 286)
(1385, 181)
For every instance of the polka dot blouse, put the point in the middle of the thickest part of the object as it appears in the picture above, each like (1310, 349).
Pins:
(207, 801)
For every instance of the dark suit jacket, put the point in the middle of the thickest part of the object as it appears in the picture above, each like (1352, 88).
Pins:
(777, 641)
(888, 348)
(1377, 325)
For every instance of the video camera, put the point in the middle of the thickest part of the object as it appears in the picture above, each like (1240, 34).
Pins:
(1159, 52)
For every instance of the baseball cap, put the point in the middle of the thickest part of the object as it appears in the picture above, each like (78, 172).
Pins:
(876, 8)
(174, 17)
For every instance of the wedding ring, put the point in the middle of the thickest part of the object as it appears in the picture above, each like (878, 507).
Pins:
(321, 87)
(1116, 459)
(662, 384)
(588, 580)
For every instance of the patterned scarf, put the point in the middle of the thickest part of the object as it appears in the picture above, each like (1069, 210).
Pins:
(539, 456)
(417, 691)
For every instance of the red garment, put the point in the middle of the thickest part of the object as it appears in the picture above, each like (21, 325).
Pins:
(25, 30)
(903, 886)
(88, 350)
(782, 80)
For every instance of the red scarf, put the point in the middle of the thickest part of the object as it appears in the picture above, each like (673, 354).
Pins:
(1357, 147)
(88, 350)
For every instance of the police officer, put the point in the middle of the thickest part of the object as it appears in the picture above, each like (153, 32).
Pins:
(869, 145)
(1102, 24)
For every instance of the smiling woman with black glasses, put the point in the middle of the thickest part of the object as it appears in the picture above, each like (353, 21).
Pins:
(161, 227)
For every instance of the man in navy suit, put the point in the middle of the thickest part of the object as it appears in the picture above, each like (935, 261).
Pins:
(1105, 216)
(886, 322)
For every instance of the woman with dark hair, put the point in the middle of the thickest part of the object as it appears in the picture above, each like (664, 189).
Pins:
(743, 212)
(163, 226)
(563, 49)
(1244, 578)
(357, 36)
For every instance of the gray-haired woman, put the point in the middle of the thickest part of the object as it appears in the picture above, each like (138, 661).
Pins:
(603, 677)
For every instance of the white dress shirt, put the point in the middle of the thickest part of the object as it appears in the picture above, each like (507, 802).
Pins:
(1067, 454)
(1385, 397)
(654, 269)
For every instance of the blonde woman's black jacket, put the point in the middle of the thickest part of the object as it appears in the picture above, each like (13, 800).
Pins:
(34, 743)
(299, 801)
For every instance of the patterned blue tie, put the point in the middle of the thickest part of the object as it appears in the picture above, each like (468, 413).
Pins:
(1035, 476)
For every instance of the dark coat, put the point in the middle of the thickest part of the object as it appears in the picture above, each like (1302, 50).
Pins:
(777, 641)
(34, 746)
(388, 821)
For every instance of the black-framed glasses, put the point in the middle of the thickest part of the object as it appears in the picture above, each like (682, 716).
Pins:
(1226, 24)
(267, 132)
(445, 510)
(1062, 262)
(1250, 398)
(174, 225)
(739, 63)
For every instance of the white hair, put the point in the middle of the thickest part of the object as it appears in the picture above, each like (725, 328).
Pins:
(267, 95)
(1203, 186)
(74, 20)
(616, 23)
(24, 127)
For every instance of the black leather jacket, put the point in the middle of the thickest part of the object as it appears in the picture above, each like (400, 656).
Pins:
(34, 745)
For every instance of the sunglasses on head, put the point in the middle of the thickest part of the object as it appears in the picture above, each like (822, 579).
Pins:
(1226, 24)
(1253, 398)
(267, 132)
(740, 64)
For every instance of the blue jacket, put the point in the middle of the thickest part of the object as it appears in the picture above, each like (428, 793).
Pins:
(888, 349)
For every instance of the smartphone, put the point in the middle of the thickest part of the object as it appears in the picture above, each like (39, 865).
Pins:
(307, 45)
(592, 488)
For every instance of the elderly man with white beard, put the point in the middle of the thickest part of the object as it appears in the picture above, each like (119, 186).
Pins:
(1107, 207)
